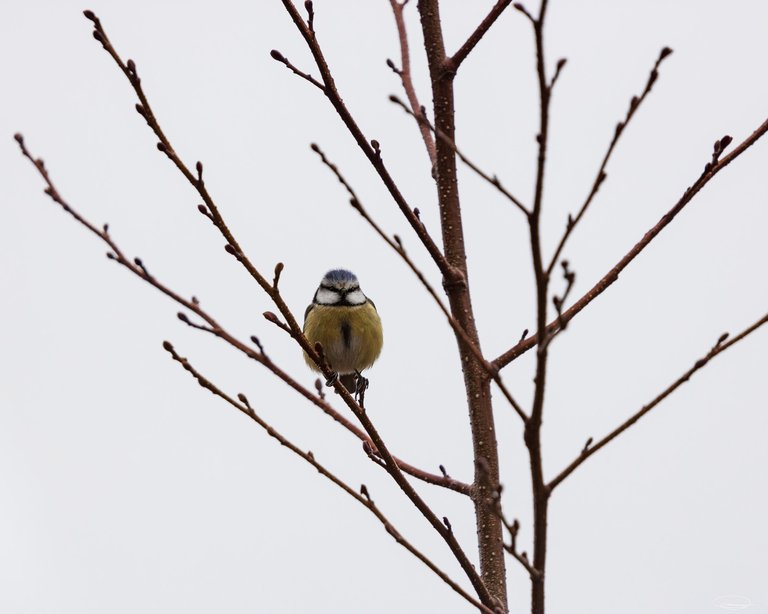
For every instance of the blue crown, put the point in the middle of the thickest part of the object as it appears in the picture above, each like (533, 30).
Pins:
(340, 276)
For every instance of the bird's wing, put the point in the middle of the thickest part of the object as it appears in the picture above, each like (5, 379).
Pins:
(306, 313)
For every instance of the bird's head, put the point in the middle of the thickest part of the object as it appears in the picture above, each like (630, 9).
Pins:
(339, 287)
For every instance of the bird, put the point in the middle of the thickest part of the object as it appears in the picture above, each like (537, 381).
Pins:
(346, 324)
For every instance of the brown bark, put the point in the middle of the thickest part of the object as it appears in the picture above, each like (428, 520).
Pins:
(476, 380)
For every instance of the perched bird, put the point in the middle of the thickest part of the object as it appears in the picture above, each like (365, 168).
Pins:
(345, 322)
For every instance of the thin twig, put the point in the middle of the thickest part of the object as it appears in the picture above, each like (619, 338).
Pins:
(558, 301)
(210, 209)
(216, 329)
(717, 349)
(558, 69)
(212, 212)
(404, 72)
(396, 244)
(634, 104)
(461, 54)
(390, 463)
(372, 153)
(533, 427)
(363, 497)
(276, 55)
(611, 276)
(492, 179)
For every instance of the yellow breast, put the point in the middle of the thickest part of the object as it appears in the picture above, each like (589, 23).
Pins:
(351, 336)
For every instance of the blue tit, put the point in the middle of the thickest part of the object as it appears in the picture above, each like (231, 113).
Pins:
(345, 322)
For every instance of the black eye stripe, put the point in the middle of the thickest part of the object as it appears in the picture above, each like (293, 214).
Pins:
(341, 291)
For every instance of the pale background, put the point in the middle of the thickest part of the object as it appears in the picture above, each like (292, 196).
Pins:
(127, 488)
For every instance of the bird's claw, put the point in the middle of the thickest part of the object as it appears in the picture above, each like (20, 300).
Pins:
(361, 383)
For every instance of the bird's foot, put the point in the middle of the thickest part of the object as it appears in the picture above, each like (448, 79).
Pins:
(361, 385)
(332, 379)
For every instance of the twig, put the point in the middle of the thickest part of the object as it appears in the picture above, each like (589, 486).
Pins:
(612, 275)
(492, 179)
(533, 427)
(521, 7)
(718, 348)
(276, 55)
(363, 497)
(233, 248)
(278, 271)
(215, 328)
(210, 209)
(404, 72)
(391, 464)
(453, 63)
(558, 69)
(558, 301)
(310, 15)
(396, 244)
(332, 93)
(634, 104)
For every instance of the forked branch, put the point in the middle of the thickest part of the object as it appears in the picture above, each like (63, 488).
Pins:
(453, 62)
(137, 267)
(612, 275)
(421, 119)
(634, 105)
(388, 460)
(373, 153)
(209, 209)
(396, 244)
(722, 344)
(363, 497)
(404, 72)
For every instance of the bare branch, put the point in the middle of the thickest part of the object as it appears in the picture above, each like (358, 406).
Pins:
(210, 209)
(612, 275)
(634, 104)
(310, 15)
(717, 349)
(558, 69)
(278, 271)
(405, 76)
(533, 427)
(512, 529)
(363, 497)
(279, 57)
(216, 329)
(396, 244)
(492, 179)
(461, 54)
(390, 463)
(558, 301)
(372, 154)
(271, 317)
(476, 382)
(521, 7)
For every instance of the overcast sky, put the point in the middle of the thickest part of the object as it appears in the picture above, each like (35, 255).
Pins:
(127, 488)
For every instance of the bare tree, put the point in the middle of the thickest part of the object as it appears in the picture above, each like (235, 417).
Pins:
(497, 534)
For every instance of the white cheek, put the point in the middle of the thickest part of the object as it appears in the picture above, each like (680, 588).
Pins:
(327, 297)
(356, 298)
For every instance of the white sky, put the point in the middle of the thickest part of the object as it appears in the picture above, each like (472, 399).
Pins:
(127, 488)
